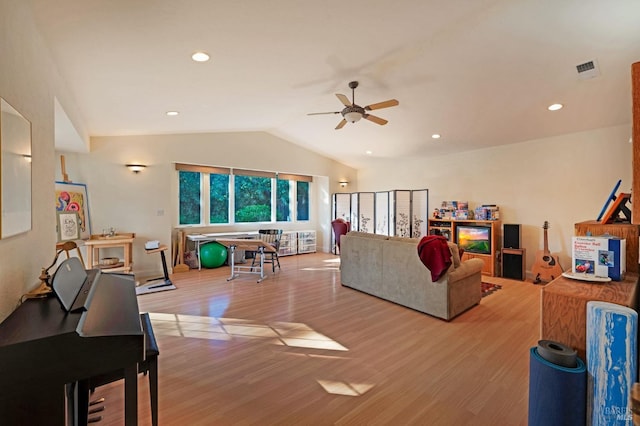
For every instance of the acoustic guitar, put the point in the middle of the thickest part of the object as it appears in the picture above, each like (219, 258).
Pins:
(546, 266)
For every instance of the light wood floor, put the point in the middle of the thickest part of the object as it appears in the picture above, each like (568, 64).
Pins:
(300, 349)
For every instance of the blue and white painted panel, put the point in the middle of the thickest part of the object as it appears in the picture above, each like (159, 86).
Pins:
(612, 332)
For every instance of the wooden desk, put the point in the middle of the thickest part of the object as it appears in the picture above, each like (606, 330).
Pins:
(564, 307)
(97, 242)
(252, 245)
(164, 280)
(200, 239)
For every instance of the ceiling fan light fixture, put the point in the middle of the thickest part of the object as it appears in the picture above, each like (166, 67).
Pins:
(352, 116)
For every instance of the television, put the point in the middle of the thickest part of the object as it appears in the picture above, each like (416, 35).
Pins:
(474, 238)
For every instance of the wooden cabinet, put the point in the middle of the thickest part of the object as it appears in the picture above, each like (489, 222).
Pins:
(442, 227)
(563, 316)
(306, 242)
(622, 230)
(489, 264)
(447, 228)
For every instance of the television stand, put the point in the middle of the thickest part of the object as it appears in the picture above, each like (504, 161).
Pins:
(447, 227)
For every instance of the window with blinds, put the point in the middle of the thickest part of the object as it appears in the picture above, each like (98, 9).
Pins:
(210, 195)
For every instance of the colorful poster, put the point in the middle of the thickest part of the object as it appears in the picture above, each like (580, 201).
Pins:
(72, 197)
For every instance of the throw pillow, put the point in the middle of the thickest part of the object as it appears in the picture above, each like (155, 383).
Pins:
(455, 254)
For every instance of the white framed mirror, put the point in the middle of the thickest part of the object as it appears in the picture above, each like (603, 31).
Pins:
(15, 175)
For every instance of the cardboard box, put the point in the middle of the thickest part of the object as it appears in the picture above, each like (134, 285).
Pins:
(602, 256)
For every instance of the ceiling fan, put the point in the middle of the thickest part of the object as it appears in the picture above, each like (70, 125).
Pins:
(353, 112)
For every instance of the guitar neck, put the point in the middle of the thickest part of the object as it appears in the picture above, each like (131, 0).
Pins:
(546, 242)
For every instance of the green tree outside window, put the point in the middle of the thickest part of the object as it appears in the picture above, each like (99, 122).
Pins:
(252, 196)
(189, 196)
(218, 198)
(302, 198)
(283, 204)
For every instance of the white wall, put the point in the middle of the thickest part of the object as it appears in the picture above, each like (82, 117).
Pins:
(29, 81)
(563, 180)
(146, 203)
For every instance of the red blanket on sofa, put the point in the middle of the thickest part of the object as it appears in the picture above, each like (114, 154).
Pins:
(435, 255)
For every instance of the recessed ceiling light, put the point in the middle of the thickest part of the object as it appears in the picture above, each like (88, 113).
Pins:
(200, 57)
(555, 107)
(435, 136)
(172, 113)
(368, 152)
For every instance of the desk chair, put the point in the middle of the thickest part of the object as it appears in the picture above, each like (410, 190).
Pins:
(67, 246)
(147, 366)
(273, 237)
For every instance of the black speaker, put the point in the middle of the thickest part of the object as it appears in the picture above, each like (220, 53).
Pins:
(513, 264)
(511, 235)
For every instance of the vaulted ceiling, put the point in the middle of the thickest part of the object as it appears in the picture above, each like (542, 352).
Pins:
(478, 72)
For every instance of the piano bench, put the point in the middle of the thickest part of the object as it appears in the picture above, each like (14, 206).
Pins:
(147, 366)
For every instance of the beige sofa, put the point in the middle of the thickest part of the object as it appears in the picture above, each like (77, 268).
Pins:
(389, 268)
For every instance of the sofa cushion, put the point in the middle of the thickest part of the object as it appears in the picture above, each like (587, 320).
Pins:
(405, 239)
(455, 254)
(367, 235)
(434, 253)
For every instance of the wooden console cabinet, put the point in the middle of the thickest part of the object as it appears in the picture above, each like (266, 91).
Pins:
(623, 230)
(563, 316)
(447, 227)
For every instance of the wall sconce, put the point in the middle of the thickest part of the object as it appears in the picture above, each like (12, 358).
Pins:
(343, 183)
(135, 168)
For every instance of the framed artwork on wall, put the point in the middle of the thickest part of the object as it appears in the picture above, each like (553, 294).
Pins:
(72, 197)
(68, 226)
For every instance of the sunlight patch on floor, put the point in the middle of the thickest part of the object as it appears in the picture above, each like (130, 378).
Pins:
(328, 268)
(337, 387)
(297, 335)
(331, 265)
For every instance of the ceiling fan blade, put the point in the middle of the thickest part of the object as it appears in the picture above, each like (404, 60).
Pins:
(345, 101)
(380, 105)
(377, 120)
(341, 124)
(321, 113)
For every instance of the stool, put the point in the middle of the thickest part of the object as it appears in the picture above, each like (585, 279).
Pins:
(68, 246)
(147, 366)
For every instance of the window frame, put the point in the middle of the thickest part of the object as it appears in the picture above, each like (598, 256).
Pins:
(205, 193)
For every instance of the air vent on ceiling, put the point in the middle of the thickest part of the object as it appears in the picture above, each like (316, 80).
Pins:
(588, 70)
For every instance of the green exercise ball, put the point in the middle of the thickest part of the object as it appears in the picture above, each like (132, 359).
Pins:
(213, 255)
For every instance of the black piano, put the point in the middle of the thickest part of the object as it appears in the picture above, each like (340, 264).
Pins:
(46, 345)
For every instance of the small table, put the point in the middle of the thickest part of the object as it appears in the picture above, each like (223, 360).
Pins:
(252, 245)
(200, 239)
(164, 280)
(97, 242)
(564, 307)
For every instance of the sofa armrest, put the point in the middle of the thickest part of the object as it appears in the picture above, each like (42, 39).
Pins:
(466, 269)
